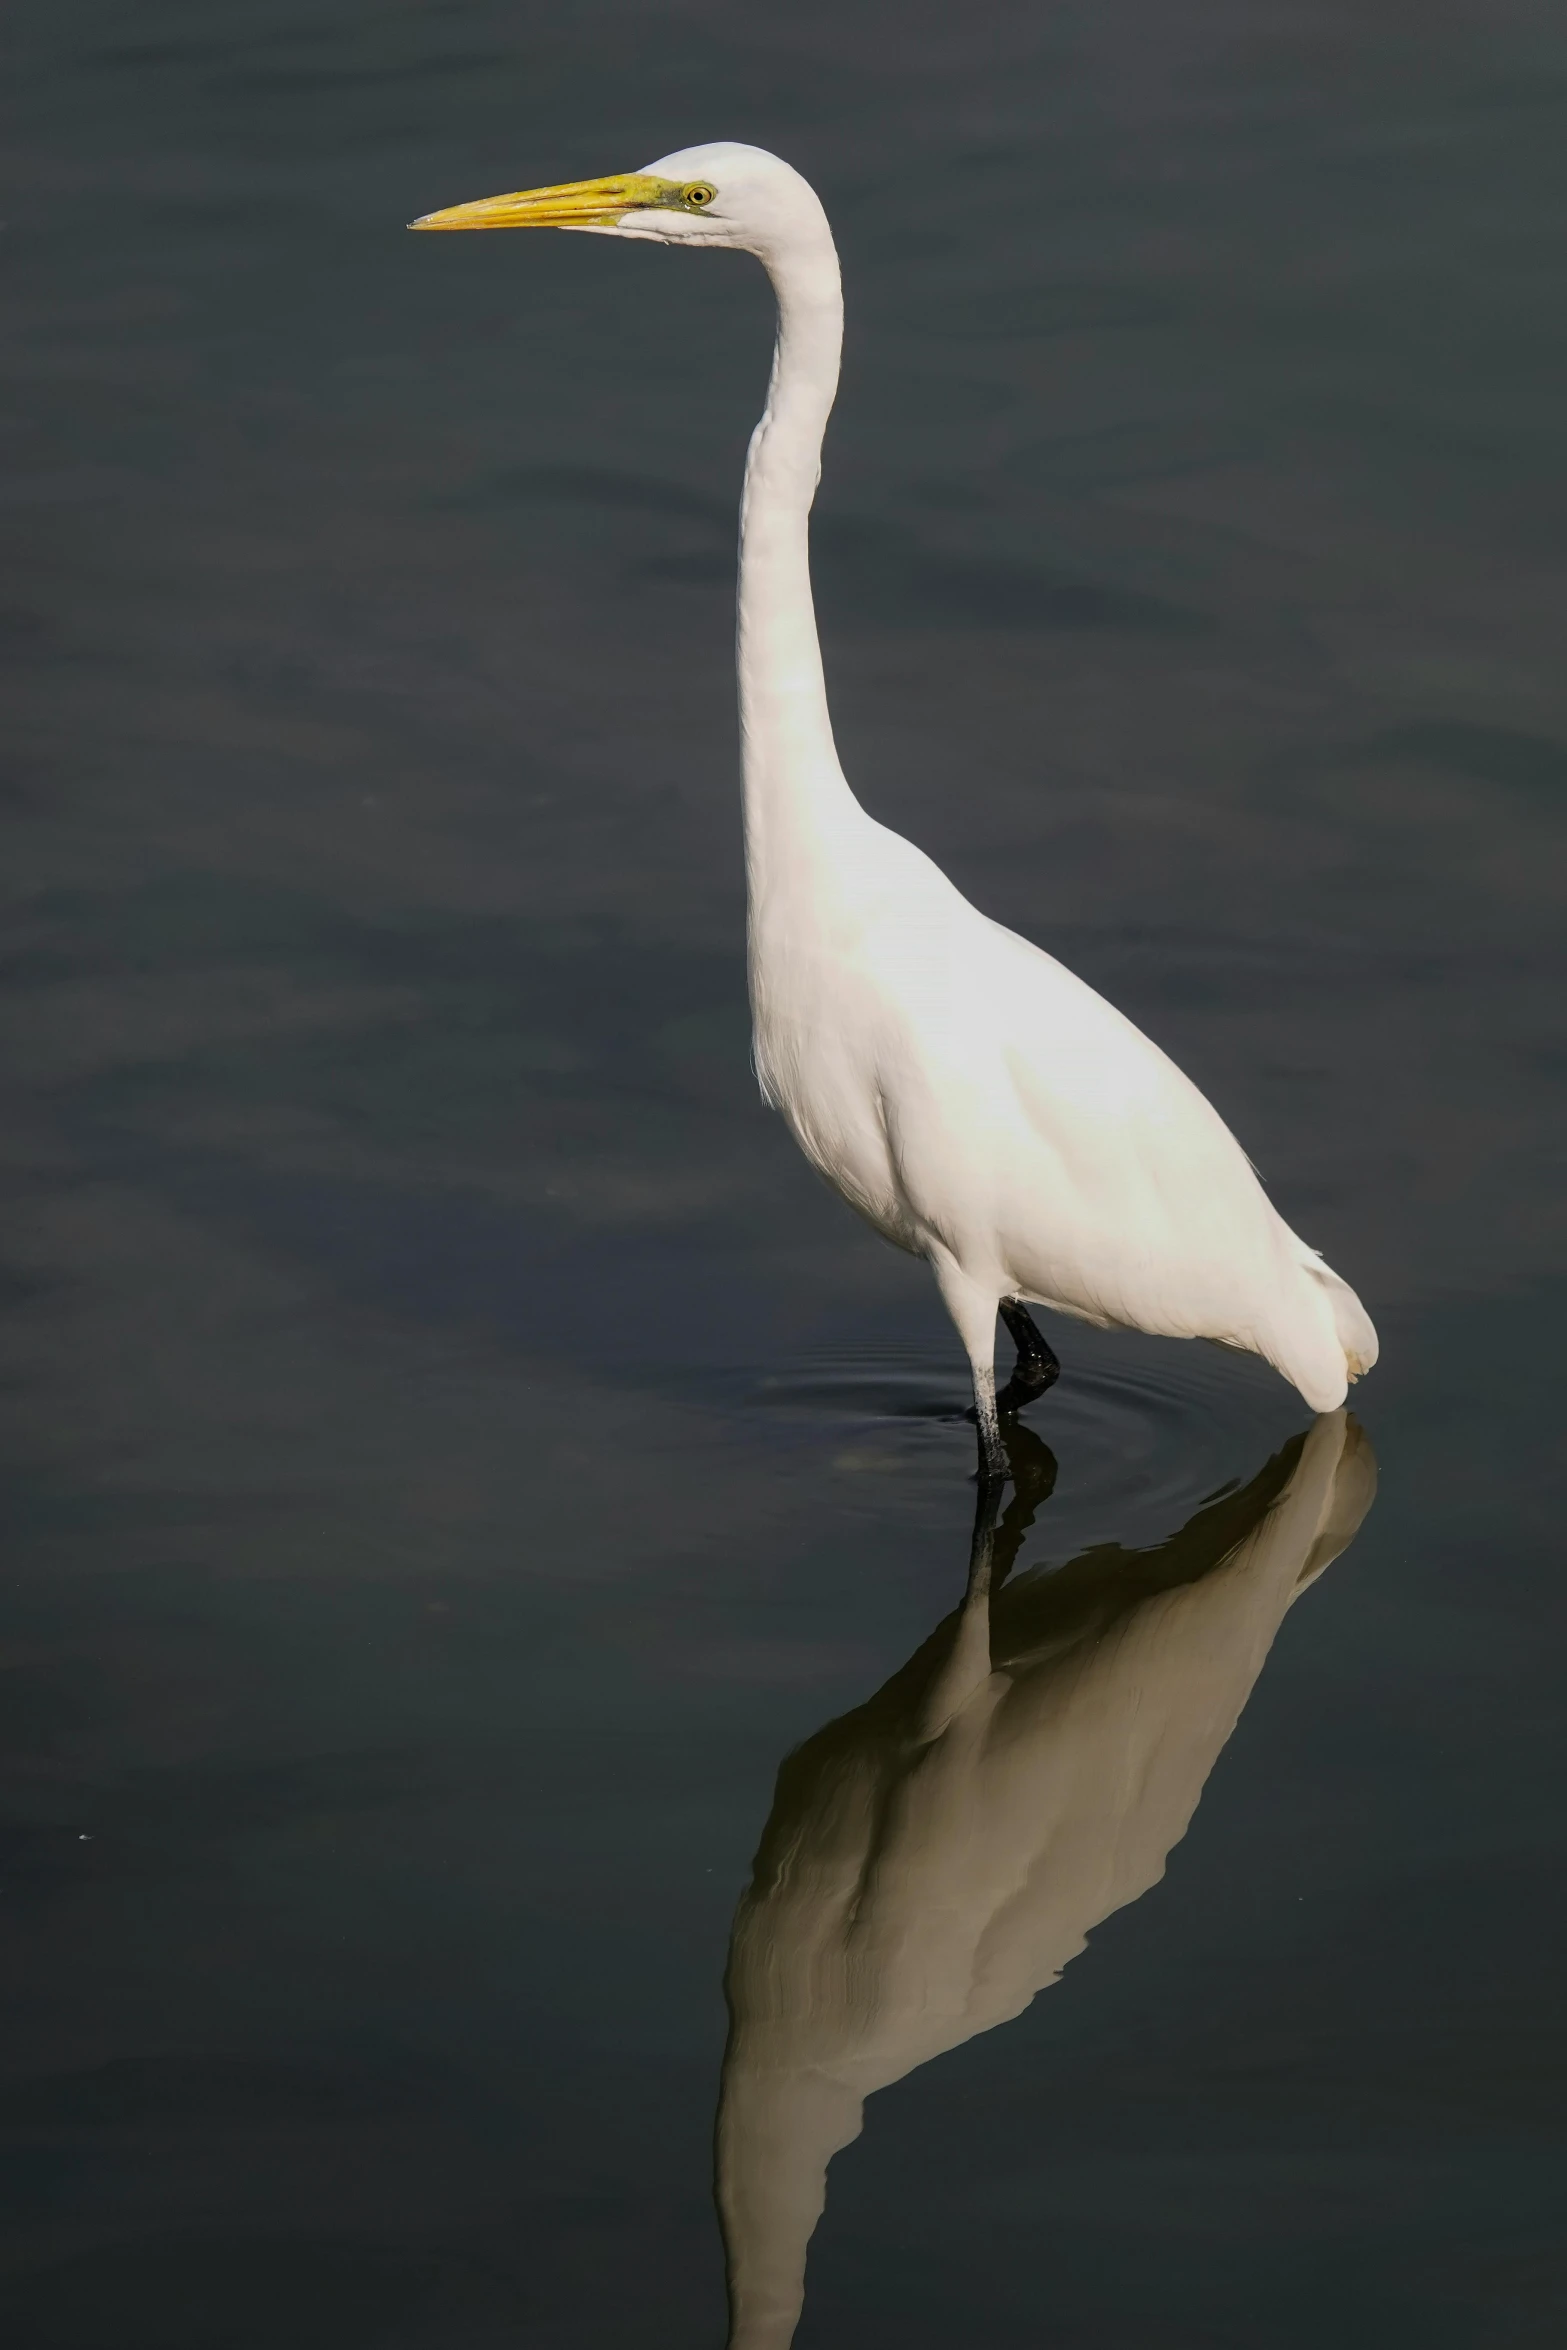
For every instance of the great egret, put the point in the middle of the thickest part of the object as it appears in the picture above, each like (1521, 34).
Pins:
(936, 1858)
(976, 1103)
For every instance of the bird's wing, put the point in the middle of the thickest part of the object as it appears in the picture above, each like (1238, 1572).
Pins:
(1126, 1198)
(1076, 1061)
(1099, 1093)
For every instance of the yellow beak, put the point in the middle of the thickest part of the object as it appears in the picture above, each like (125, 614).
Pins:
(576, 204)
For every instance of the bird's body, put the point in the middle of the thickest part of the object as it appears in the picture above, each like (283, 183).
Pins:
(986, 1110)
(977, 1103)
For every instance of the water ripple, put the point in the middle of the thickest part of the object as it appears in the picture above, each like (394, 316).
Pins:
(1143, 1431)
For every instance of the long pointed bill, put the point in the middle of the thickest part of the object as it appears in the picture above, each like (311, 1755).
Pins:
(576, 204)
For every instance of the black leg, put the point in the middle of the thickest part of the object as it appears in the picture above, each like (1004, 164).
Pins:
(1037, 1367)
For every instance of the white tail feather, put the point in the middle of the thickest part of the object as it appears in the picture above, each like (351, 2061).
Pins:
(1356, 1330)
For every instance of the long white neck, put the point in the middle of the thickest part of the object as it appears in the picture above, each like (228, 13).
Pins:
(797, 803)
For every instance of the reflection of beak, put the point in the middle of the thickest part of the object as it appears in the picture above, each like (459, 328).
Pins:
(576, 204)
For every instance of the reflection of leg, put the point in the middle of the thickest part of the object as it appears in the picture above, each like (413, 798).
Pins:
(998, 1533)
(982, 1542)
(993, 1549)
(966, 1664)
(1037, 1367)
(1033, 1467)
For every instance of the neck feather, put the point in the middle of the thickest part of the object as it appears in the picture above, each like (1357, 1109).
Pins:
(796, 799)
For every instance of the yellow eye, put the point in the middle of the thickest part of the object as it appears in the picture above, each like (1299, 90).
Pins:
(699, 194)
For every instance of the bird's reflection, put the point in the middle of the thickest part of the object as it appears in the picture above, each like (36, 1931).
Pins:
(936, 1857)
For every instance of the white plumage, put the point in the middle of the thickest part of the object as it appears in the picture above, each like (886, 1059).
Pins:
(973, 1100)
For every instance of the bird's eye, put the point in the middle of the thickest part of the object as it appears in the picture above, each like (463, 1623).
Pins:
(699, 194)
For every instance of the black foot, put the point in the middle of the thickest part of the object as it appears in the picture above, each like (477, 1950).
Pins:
(1037, 1365)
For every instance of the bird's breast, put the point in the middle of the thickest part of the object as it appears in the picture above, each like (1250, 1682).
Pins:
(816, 1045)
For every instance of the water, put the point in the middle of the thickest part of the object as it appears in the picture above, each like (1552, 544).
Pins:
(455, 1452)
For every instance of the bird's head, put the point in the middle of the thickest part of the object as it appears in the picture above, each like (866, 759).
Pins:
(725, 194)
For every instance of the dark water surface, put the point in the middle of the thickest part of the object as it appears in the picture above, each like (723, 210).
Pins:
(454, 1450)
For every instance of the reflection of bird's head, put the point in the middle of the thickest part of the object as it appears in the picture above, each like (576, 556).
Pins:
(728, 195)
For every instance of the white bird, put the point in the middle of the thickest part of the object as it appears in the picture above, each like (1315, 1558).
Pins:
(977, 1103)
(937, 1857)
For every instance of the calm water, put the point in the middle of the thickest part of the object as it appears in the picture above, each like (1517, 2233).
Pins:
(455, 1452)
